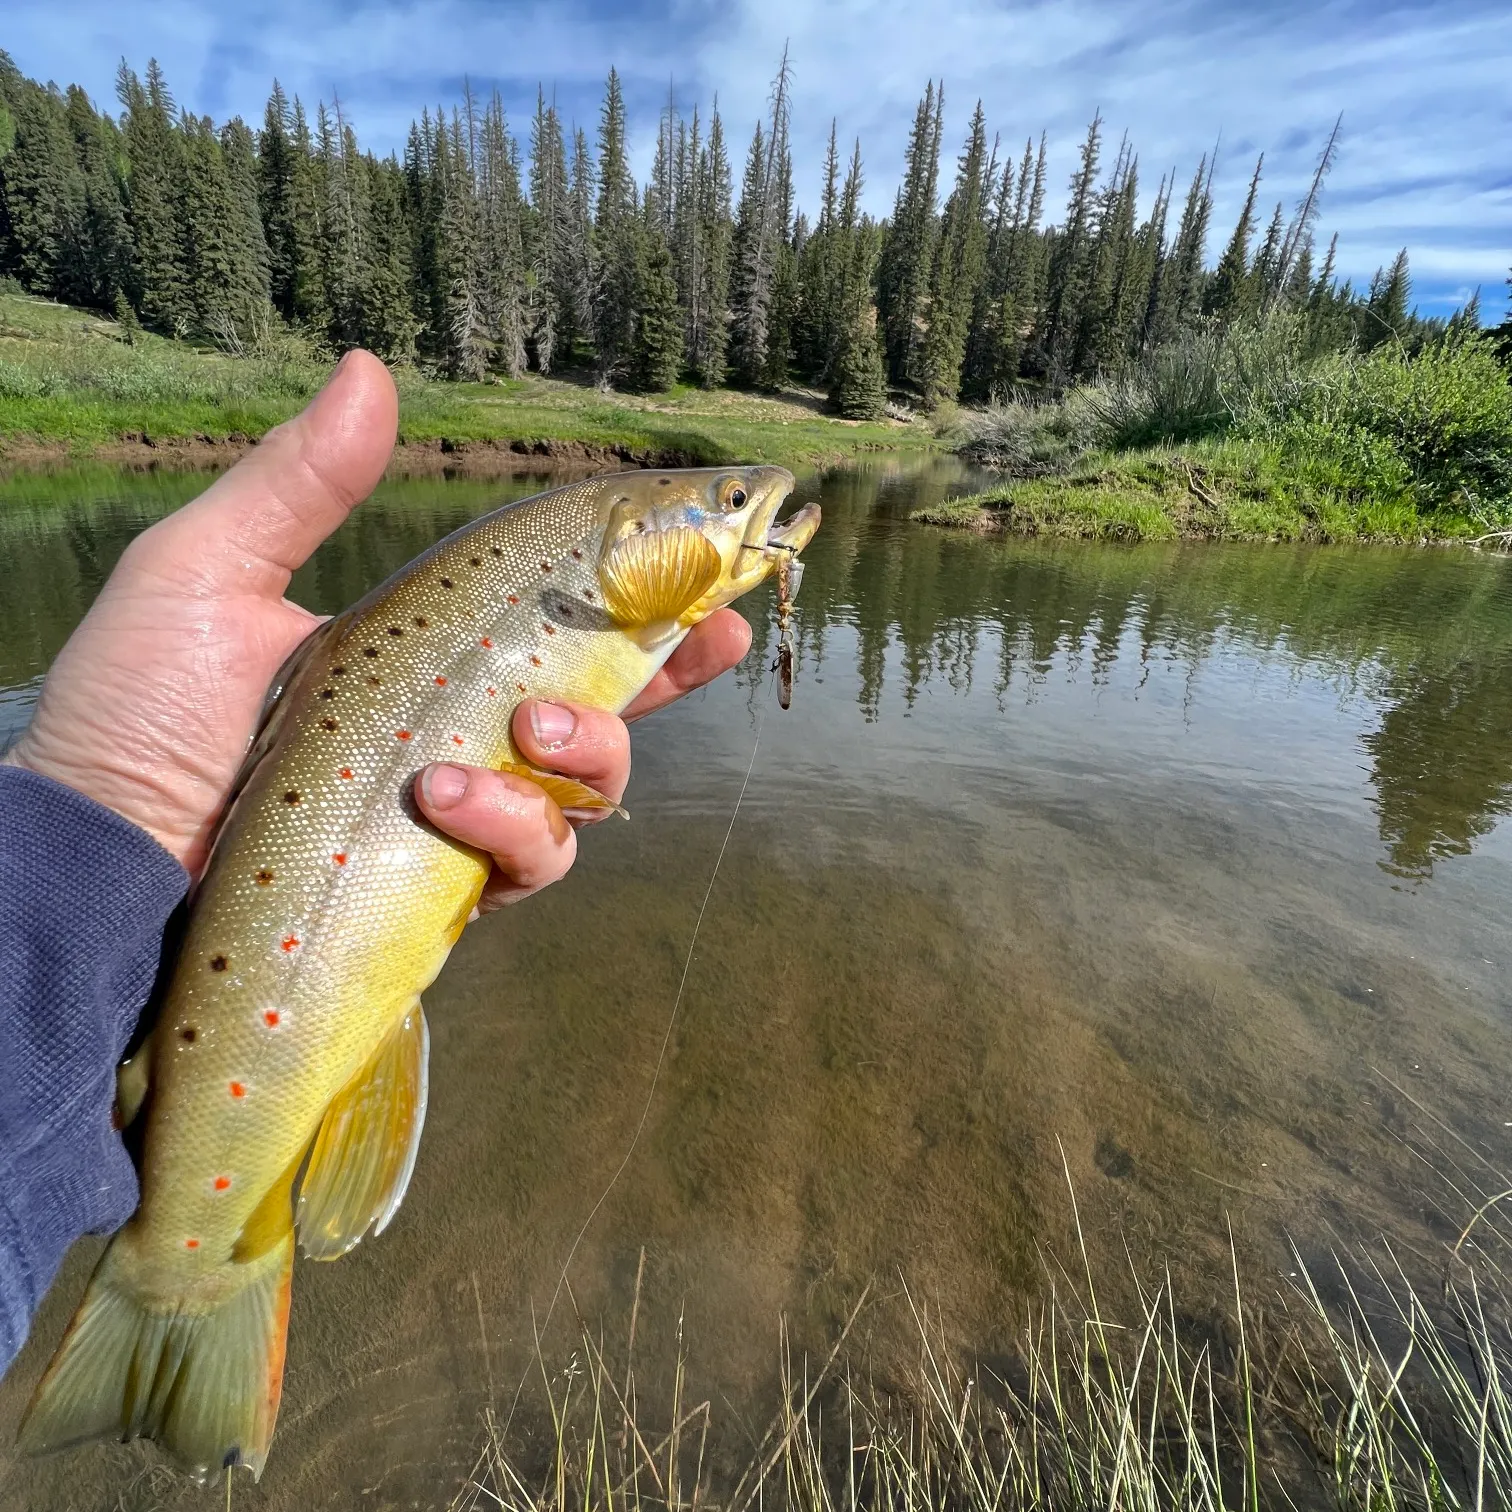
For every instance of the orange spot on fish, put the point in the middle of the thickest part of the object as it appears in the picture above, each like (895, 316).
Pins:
(339, 857)
(221, 1184)
(545, 566)
(456, 740)
(577, 555)
(440, 682)
(271, 1017)
(514, 598)
(520, 687)
(549, 629)
(191, 1244)
(289, 942)
(237, 1089)
(535, 661)
(345, 774)
(486, 643)
(402, 735)
(492, 691)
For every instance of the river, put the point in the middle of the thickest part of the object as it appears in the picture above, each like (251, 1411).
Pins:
(1173, 878)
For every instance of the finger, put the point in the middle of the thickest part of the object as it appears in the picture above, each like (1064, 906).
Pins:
(250, 529)
(711, 648)
(577, 741)
(508, 818)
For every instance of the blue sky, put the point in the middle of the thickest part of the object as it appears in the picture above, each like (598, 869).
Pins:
(1426, 90)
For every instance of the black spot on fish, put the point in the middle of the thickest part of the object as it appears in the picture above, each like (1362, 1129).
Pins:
(188, 1034)
(446, 582)
(497, 550)
(338, 671)
(564, 611)
(475, 561)
(329, 724)
(263, 877)
(373, 681)
(395, 630)
(218, 963)
(665, 482)
(328, 692)
(292, 796)
(370, 650)
(421, 622)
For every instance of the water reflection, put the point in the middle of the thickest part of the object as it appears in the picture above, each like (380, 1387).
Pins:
(1067, 861)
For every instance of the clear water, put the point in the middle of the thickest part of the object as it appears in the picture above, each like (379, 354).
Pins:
(1173, 876)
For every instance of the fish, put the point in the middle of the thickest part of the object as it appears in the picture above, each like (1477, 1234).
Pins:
(282, 1091)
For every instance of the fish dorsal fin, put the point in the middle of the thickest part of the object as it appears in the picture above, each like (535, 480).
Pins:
(361, 1160)
(653, 578)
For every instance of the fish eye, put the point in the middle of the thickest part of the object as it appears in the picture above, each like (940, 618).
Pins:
(732, 495)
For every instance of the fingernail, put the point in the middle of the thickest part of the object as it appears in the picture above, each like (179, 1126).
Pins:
(443, 786)
(553, 725)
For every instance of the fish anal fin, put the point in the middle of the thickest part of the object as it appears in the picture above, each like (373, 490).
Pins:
(203, 1379)
(565, 792)
(362, 1158)
(653, 578)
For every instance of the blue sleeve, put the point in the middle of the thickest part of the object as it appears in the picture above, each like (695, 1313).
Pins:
(84, 898)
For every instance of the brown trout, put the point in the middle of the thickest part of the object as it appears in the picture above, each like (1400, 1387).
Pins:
(286, 1074)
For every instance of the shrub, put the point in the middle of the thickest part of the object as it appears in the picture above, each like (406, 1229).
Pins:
(1023, 439)
(1439, 423)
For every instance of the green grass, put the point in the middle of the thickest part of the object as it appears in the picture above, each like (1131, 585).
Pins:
(71, 382)
(1229, 489)
(1365, 1394)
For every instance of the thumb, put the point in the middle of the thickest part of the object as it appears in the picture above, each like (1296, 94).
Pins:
(251, 528)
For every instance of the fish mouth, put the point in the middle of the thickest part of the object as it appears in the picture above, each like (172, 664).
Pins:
(794, 533)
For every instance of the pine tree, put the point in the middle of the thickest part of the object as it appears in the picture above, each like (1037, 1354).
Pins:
(581, 261)
(858, 375)
(708, 334)
(275, 193)
(957, 274)
(617, 234)
(249, 287)
(1176, 293)
(501, 246)
(100, 271)
(1385, 316)
(760, 230)
(1227, 293)
(818, 318)
(1265, 277)
(656, 357)
(155, 183)
(908, 252)
(42, 192)
(547, 239)
(464, 330)
(388, 324)
(1070, 265)
(308, 292)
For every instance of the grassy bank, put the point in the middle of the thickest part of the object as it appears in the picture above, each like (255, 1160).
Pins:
(1231, 489)
(74, 384)
(1236, 434)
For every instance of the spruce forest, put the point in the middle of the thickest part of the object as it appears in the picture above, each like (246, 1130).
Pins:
(478, 255)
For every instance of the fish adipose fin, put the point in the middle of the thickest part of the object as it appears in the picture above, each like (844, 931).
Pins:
(202, 1380)
(565, 792)
(361, 1160)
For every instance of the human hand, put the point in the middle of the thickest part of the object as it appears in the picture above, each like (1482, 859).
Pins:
(150, 705)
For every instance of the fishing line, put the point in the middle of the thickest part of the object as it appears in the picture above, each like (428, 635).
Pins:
(661, 1056)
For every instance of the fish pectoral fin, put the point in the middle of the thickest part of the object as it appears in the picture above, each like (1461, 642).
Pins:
(133, 1077)
(653, 578)
(565, 792)
(361, 1160)
(203, 1380)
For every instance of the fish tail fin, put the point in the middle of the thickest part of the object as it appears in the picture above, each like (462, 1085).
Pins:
(202, 1378)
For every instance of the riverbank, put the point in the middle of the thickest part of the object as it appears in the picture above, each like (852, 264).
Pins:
(76, 386)
(1224, 490)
